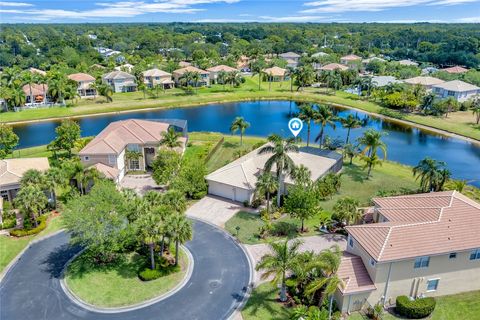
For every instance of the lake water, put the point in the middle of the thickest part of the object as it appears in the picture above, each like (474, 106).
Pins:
(406, 144)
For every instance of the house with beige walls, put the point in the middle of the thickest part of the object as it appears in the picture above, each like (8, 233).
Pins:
(204, 76)
(460, 90)
(214, 71)
(419, 245)
(108, 151)
(86, 84)
(156, 77)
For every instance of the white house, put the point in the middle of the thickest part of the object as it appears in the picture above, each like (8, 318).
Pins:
(120, 81)
(461, 91)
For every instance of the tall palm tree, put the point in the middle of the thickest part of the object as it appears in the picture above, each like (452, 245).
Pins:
(349, 151)
(170, 138)
(181, 231)
(28, 78)
(279, 148)
(372, 142)
(31, 200)
(476, 109)
(257, 69)
(281, 260)
(431, 174)
(349, 123)
(266, 184)
(196, 79)
(333, 80)
(308, 114)
(32, 177)
(450, 104)
(186, 79)
(324, 117)
(291, 74)
(302, 176)
(239, 124)
(54, 178)
(149, 227)
(16, 96)
(234, 78)
(105, 90)
(222, 78)
(346, 209)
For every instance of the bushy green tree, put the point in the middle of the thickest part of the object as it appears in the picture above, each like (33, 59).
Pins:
(302, 203)
(8, 140)
(166, 166)
(67, 135)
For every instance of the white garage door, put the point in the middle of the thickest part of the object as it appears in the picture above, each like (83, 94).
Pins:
(228, 192)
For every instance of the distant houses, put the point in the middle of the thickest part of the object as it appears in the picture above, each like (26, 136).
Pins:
(424, 81)
(350, 60)
(85, 83)
(214, 71)
(156, 77)
(275, 74)
(120, 81)
(457, 89)
(291, 58)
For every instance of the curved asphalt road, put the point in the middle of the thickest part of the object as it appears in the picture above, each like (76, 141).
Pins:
(31, 289)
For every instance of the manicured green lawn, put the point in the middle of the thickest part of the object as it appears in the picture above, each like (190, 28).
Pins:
(11, 246)
(459, 122)
(263, 305)
(390, 176)
(118, 285)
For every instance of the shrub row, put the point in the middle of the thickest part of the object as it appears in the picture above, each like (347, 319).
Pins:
(415, 309)
(148, 274)
(8, 223)
(28, 232)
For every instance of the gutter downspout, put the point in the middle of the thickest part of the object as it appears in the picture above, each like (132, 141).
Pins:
(386, 284)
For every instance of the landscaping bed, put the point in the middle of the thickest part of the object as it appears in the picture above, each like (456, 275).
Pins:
(118, 284)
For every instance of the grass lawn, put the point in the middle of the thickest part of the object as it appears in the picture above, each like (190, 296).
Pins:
(118, 285)
(263, 304)
(390, 176)
(11, 246)
(459, 122)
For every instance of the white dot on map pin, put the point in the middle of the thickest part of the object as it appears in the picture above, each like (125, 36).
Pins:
(295, 125)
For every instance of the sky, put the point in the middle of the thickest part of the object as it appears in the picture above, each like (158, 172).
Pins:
(100, 11)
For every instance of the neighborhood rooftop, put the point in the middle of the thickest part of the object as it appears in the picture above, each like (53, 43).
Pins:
(420, 225)
(457, 85)
(12, 170)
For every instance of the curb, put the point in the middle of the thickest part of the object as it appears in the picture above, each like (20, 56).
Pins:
(73, 297)
(14, 261)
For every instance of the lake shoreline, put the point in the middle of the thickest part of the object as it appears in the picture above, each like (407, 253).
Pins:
(423, 127)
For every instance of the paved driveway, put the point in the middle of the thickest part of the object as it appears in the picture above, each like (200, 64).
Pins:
(313, 243)
(31, 289)
(139, 183)
(215, 210)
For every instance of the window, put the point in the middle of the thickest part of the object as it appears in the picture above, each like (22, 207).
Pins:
(372, 262)
(452, 255)
(134, 164)
(432, 284)
(133, 147)
(422, 262)
(451, 93)
(86, 158)
(111, 159)
(475, 254)
(350, 241)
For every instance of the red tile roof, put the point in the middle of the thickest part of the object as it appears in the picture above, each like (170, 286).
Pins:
(456, 69)
(354, 275)
(81, 77)
(420, 225)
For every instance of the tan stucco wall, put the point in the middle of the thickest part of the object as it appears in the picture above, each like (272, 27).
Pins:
(349, 303)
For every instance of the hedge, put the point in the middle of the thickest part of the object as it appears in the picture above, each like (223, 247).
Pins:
(414, 309)
(28, 232)
(8, 223)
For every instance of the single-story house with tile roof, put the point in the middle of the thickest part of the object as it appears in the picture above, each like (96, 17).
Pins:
(214, 71)
(236, 181)
(243, 64)
(460, 90)
(156, 77)
(419, 245)
(350, 59)
(183, 64)
(120, 81)
(382, 81)
(455, 70)
(107, 151)
(35, 94)
(275, 74)
(334, 66)
(290, 55)
(12, 171)
(85, 83)
(204, 75)
(424, 81)
(408, 62)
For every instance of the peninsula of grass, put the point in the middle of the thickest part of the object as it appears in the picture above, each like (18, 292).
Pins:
(118, 284)
(461, 122)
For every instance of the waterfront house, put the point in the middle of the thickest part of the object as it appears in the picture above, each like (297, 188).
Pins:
(236, 181)
(12, 171)
(461, 91)
(156, 77)
(419, 245)
(85, 82)
(243, 64)
(120, 81)
(36, 94)
(204, 76)
(275, 74)
(424, 81)
(383, 81)
(214, 71)
(108, 151)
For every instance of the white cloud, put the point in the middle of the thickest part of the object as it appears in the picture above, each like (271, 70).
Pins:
(322, 6)
(122, 9)
(292, 18)
(14, 4)
(469, 19)
(223, 20)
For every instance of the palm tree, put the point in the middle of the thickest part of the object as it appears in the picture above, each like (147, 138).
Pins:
(222, 78)
(186, 79)
(181, 231)
(31, 200)
(450, 104)
(257, 68)
(290, 73)
(350, 151)
(28, 78)
(32, 177)
(84, 177)
(346, 209)
(459, 185)
(239, 124)
(105, 91)
(57, 86)
(281, 260)
(302, 175)
(279, 148)
(427, 102)
(333, 80)
(195, 78)
(149, 227)
(431, 174)
(349, 123)
(476, 109)
(370, 162)
(234, 78)
(371, 140)
(326, 264)
(16, 97)
(266, 184)
(170, 138)
(53, 178)
(324, 117)
(307, 114)
(132, 155)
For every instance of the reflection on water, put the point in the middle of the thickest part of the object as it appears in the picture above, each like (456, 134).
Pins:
(406, 144)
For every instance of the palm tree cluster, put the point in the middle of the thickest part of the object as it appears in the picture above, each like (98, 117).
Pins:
(311, 278)
(432, 174)
(234, 78)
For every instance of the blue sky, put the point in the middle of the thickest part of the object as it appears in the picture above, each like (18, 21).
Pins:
(56, 11)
